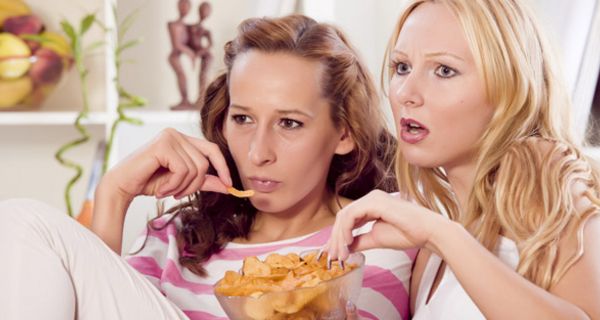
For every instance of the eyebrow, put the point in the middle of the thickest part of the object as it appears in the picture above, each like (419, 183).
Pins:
(280, 111)
(432, 54)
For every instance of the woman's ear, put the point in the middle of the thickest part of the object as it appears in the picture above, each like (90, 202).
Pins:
(346, 143)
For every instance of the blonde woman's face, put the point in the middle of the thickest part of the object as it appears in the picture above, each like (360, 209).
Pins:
(279, 130)
(436, 92)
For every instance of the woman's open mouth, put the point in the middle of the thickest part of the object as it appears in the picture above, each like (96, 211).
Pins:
(412, 131)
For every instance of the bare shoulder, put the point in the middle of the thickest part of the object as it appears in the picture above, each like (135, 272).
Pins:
(580, 285)
(561, 184)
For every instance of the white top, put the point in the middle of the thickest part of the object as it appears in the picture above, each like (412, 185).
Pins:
(450, 301)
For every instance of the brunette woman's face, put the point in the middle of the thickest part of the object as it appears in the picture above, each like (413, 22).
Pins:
(436, 92)
(279, 130)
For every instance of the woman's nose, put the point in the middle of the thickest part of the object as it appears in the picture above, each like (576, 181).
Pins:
(407, 91)
(261, 150)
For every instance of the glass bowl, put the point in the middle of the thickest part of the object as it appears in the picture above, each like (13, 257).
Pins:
(326, 300)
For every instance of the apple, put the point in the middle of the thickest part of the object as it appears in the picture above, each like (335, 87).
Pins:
(47, 67)
(26, 24)
(59, 44)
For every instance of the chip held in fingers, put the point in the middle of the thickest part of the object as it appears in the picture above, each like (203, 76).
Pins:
(240, 193)
(290, 286)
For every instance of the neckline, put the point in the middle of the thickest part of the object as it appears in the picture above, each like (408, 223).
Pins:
(237, 245)
(504, 245)
(431, 270)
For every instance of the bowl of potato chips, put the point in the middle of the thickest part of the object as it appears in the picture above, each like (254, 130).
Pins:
(291, 286)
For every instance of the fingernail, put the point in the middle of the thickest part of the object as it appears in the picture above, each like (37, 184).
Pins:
(350, 306)
(320, 255)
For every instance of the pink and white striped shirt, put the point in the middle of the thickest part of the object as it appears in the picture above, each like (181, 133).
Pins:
(385, 286)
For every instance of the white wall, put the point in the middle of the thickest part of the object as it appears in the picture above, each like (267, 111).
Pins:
(575, 36)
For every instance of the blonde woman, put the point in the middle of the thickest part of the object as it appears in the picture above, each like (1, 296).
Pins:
(493, 188)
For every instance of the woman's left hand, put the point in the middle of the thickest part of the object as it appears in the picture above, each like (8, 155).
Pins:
(399, 224)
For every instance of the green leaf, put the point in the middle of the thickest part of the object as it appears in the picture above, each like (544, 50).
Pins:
(94, 46)
(86, 23)
(70, 31)
(133, 121)
(139, 101)
(102, 26)
(126, 24)
(127, 45)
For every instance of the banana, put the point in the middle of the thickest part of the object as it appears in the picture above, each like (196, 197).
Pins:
(14, 56)
(14, 91)
(11, 8)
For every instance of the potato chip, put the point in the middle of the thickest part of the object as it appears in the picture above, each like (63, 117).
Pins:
(240, 193)
(254, 267)
(278, 261)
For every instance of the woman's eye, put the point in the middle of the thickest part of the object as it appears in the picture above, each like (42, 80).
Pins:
(445, 71)
(290, 124)
(402, 68)
(240, 118)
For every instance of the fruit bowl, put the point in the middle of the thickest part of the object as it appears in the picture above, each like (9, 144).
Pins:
(327, 299)
(32, 60)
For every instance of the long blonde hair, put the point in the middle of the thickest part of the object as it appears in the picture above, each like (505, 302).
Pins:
(520, 188)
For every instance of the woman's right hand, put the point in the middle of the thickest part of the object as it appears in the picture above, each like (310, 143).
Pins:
(173, 164)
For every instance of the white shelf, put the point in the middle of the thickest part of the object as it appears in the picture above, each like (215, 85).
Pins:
(24, 118)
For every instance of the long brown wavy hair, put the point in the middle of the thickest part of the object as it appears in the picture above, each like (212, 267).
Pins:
(210, 220)
(528, 159)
